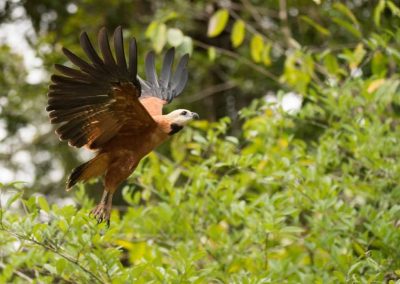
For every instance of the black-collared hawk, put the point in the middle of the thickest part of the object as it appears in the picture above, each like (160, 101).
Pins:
(104, 106)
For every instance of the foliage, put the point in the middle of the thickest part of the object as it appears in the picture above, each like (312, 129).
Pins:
(267, 206)
(256, 47)
(260, 195)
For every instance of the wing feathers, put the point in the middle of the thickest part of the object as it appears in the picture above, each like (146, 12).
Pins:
(165, 88)
(151, 74)
(76, 74)
(90, 51)
(132, 59)
(180, 70)
(167, 68)
(82, 64)
(120, 53)
(88, 112)
(98, 101)
(105, 48)
(78, 101)
(181, 83)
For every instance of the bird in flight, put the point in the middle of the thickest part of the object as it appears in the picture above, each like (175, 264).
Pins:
(103, 105)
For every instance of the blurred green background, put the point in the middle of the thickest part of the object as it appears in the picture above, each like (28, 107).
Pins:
(291, 176)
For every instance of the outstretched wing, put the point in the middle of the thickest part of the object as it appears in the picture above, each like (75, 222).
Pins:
(100, 99)
(160, 91)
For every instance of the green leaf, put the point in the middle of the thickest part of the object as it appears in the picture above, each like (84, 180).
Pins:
(345, 11)
(211, 53)
(393, 8)
(238, 33)
(175, 37)
(256, 47)
(379, 64)
(378, 12)
(331, 64)
(232, 139)
(151, 29)
(358, 55)
(187, 45)
(217, 22)
(160, 37)
(14, 198)
(266, 58)
(316, 26)
(348, 26)
(43, 204)
(292, 229)
(50, 268)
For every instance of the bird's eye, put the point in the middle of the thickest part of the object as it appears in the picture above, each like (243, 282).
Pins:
(184, 112)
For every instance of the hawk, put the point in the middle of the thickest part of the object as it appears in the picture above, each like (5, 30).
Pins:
(103, 105)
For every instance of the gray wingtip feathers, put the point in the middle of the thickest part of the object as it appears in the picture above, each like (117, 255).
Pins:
(170, 84)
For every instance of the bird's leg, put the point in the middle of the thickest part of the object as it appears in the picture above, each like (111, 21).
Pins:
(102, 211)
(108, 208)
(116, 173)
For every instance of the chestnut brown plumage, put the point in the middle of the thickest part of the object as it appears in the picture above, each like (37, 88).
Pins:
(104, 106)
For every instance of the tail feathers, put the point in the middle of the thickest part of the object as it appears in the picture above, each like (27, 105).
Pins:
(75, 175)
(93, 168)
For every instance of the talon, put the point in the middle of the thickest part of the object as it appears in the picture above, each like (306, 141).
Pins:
(101, 213)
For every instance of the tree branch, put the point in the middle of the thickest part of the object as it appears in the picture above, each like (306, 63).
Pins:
(49, 248)
(18, 273)
(239, 58)
(212, 90)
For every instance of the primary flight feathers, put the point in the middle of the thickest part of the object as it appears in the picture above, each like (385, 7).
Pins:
(165, 88)
(101, 98)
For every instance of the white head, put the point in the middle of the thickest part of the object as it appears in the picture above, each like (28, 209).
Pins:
(181, 117)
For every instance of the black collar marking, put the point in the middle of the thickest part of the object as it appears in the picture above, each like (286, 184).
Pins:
(175, 128)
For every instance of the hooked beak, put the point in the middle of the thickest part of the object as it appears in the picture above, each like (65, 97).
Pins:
(195, 115)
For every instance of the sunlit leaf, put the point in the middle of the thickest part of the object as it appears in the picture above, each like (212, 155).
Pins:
(379, 64)
(374, 85)
(50, 268)
(151, 29)
(256, 47)
(43, 203)
(212, 53)
(125, 244)
(266, 54)
(137, 252)
(358, 56)
(175, 37)
(331, 64)
(159, 37)
(217, 22)
(187, 45)
(238, 33)
(13, 198)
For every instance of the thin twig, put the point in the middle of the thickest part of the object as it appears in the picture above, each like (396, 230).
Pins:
(253, 11)
(49, 248)
(212, 90)
(239, 58)
(18, 273)
(249, 27)
(284, 21)
(1, 209)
